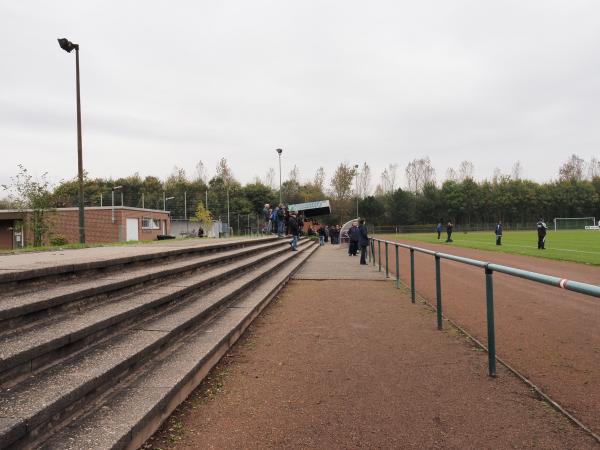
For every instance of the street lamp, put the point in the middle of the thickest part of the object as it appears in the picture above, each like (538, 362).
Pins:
(68, 46)
(112, 194)
(279, 152)
(165, 202)
(356, 175)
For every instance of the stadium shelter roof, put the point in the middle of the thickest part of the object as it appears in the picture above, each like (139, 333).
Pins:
(312, 209)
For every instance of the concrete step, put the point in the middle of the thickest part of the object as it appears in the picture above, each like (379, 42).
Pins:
(27, 300)
(23, 352)
(32, 409)
(131, 414)
(16, 276)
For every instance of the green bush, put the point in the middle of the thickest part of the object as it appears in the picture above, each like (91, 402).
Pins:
(58, 239)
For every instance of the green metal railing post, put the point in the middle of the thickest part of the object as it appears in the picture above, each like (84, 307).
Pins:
(413, 294)
(489, 295)
(373, 252)
(387, 261)
(438, 292)
(379, 253)
(397, 269)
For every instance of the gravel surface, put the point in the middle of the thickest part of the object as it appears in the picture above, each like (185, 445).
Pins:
(548, 334)
(353, 364)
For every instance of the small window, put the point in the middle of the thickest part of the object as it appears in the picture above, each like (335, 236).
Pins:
(149, 224)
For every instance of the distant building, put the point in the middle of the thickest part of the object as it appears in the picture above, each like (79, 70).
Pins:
(129, 224)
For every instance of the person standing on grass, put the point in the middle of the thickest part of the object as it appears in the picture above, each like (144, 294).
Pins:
(499, 233)
(438, 228)
(363, 241)
(542, 228)
(449, 228)
(294, 230)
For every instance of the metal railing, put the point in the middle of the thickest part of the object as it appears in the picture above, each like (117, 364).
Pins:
(488, 268)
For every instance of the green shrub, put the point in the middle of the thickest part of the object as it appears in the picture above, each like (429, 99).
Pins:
(58, 239)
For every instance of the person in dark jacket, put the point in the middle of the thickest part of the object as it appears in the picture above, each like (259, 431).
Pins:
(449, 228)
(363, 241)
(542, 228)
(321, 236)
(438, 228)
(353, 239)
(294, 231)
(499, 233)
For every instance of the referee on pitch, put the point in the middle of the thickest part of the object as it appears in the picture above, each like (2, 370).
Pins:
(541, 231)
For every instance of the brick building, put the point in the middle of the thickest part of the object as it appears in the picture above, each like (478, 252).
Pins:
(128, 224)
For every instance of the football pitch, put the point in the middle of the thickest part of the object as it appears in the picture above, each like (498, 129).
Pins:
(580, 246)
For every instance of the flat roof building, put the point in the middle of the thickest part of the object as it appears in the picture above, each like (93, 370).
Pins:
(103, 224)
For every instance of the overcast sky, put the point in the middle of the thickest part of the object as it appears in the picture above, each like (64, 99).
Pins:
(166, 84)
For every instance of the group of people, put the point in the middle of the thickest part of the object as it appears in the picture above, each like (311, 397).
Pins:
(279, 220)
(449, 230)
(358, 239)
(329, 234)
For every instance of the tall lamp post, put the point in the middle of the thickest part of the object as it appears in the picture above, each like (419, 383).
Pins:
(279, 152)
(68, 46)
(165, 199)
(112, 196)
(356, 175)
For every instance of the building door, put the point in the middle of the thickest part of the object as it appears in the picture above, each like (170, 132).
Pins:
(132, 230)
(6, 234)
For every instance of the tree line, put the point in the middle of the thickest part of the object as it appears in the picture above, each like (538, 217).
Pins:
(459, 197)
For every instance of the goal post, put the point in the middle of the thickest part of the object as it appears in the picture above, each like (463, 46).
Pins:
(573, 223)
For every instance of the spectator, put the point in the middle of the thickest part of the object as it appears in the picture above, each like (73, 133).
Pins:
(363, 241)
(353, 238)
(266, 212)
(438, 228)
(280, 220)
(326, 233)
(449, 228)
(322, 236)
(294, 230)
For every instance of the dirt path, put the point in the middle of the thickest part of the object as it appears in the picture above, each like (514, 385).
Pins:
(550, 335)
(353, 364)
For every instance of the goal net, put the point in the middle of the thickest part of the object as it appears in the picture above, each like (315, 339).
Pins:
(574, 223)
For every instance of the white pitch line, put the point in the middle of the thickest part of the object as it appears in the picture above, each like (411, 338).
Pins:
(531, 246)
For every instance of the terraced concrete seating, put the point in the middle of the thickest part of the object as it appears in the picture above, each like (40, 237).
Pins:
(101, 366)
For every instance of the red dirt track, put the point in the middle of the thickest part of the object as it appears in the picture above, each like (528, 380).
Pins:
(550, 335)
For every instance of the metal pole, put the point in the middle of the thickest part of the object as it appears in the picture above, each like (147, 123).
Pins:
(143, 207)
(206, 201)
(112, 202)
(387, 270)
(121, 199)
(397, 269)
(373, 251)
(280, 198)
(185, 205)
(228, 222)
(438, 292)
(100, 199)
(379, 253)
(413, 294)
(164, 201)
(489, 296)
(79, 154)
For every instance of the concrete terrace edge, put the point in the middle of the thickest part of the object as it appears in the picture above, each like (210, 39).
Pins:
(180, 393)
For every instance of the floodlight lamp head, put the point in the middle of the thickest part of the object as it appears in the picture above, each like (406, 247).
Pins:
(280, 151)
(67, 45)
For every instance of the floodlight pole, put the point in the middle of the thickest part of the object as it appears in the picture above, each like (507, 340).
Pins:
(279, 152)
(356, 176)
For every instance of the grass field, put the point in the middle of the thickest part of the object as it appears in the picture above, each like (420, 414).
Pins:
(570, 245)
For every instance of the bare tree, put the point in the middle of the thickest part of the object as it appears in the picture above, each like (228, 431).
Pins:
(364, 180)
(572, 169)
(270, 178)
(224, 171)
(201, 174)
(319, 180)
(419, 172)
(451, 174)
(341, 182)
(294, 174)
(465, 170)
(388, 178)
(593, 168)
(517, 171)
